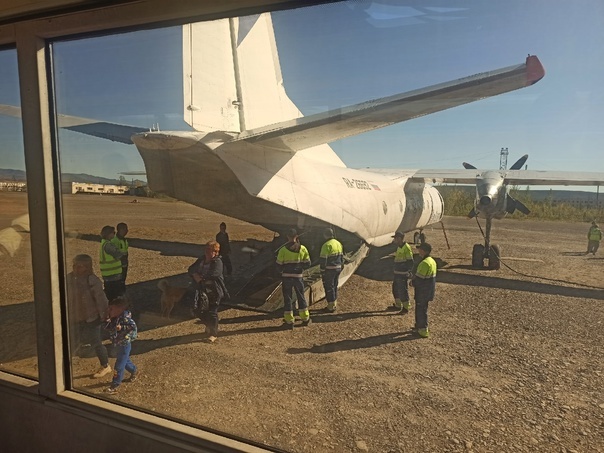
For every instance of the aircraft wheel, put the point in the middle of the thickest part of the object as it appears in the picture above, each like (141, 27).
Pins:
(494, 258)
(478, 256)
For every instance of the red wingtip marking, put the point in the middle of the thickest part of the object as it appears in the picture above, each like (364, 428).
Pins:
(534, 70)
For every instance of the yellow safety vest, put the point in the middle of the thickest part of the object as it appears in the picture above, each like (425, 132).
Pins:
(109, 265)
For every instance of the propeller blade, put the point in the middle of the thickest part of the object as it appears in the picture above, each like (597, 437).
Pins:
(522, 208)
(513, 204)
(468, 166)
(519, 163)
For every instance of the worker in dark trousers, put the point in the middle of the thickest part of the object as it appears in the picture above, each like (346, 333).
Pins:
(222, 237)
(292, 259)
(403, 264)
(331, 261)
(424, 284)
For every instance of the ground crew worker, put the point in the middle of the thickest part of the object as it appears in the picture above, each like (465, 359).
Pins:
(403, 264)
(331, 260)
(594, 236)
(120, 241)
(111, 264)
(292, 259)
(424, 283)
(222, 237)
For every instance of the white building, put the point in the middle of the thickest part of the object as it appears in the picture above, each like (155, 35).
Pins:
(82, 187)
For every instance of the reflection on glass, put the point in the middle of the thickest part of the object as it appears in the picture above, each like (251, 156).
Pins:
(17, 319)
(209, 83)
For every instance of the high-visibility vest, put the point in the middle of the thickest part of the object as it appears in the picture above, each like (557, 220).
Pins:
(121, 244)
(109, 265)
(426, 268)
(332, 255)
(425, 279)
(293, 263)
(403, 259)
(595, 234)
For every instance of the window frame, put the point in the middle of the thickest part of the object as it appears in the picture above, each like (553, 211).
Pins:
(32, 40)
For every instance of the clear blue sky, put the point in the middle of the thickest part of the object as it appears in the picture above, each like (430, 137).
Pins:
(340, 54)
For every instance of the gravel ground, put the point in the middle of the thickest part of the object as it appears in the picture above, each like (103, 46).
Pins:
(514, 361)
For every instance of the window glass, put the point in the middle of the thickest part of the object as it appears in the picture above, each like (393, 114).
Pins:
(166, 133)
(17, 320)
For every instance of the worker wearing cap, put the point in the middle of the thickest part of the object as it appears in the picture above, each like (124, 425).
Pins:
(594, 236)
(292, 259)
(403, 263)
(424, 283)
(331, 260)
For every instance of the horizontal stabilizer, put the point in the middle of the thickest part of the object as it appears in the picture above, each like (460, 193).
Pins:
(109, 131)
(313, 130)
(114, 132)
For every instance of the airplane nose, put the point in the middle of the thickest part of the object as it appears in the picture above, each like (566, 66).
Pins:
(485, 200)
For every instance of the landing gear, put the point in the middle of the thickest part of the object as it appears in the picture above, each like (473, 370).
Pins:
(478, 256)
(492, 257)
(491, 253)
(494, 260)
(419, 237)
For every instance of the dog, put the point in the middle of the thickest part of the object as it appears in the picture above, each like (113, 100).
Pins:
(170, 296)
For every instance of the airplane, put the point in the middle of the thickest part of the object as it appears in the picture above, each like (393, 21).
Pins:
(252, 155)
(493, 199)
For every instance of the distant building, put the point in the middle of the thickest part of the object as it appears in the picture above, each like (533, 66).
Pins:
(82, 187)
(13, 186)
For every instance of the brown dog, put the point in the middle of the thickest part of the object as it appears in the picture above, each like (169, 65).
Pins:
(170, 295)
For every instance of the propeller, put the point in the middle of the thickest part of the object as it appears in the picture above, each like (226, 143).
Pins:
(513, 204)
(519, 163)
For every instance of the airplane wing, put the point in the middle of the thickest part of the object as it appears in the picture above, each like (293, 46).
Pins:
(308, 131)
(302, 133)
(110, 131)
(519, 177)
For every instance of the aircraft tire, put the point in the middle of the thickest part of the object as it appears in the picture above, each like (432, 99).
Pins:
(494, 258)
(478, 256)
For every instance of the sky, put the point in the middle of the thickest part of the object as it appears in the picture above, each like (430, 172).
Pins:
(344, 53)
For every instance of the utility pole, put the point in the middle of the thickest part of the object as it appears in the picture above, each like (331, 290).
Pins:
(503, 159)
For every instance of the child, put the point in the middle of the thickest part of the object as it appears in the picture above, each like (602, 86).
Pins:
(122, 332)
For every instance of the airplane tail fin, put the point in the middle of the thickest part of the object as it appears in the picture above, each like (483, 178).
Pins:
(232, 77)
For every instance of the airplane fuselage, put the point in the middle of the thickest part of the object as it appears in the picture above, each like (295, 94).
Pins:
(281, 190)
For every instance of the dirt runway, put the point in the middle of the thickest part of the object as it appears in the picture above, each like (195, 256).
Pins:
(514, 361)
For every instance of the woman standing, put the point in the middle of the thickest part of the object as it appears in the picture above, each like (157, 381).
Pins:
(207, 272)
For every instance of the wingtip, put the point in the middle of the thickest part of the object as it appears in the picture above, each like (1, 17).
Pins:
(534, 70)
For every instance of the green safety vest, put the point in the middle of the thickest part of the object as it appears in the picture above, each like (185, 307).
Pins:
(121, 244)
(426, 269)
(595, 234)
(109, 265)
(403, 259)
